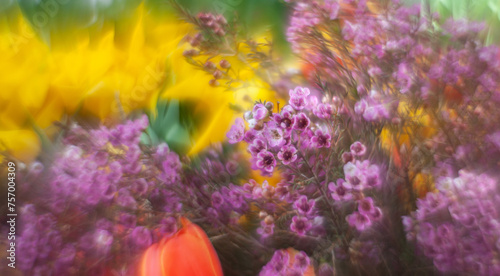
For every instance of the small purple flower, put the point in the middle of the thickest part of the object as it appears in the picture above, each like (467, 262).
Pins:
(274, 135)
(300, 225)
(168, 226)
(358, 220)
(320, 139)
(140, 238)
(301, 122)
(217, 199)
(287, 154)
(332, 7)
(298, 103)
(266, 161)
(339, 191)
(300, 92)
(257, 146)
(237, 131)
(301, 261)
(285, 120)
(251, 135)
(365, 206)
(266, 229)
(304, 206)
(323, 111)
(358, 149)
(347, 157)
(259, 112)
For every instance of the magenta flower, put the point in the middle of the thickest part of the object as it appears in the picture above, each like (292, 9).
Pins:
(359, 221)
(257, 146)
(298, 103)
(266, 161)
(304, 206)
(365, 206)
(358, 149)
(300, 225)
(347, 157)
(274, 135)
(287, 154)
(301, 122)
(285, 119)
(299, 92)
(259, 112)
(320, 139)
(339, 191)
(323, 111)
(237, 131)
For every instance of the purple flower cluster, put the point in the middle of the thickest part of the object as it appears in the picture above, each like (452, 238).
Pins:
(101, 196)
(284, 263)
(457, 227)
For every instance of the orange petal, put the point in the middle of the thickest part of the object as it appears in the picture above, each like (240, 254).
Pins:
(189, 253)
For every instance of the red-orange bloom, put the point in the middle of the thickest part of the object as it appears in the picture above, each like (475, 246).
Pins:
(187, 253)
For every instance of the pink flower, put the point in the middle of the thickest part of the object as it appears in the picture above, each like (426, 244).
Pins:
(237, 131)
(300, 225)
(339, 191)
(320, 139)
(358, 220)
(287, 154)
(265, 161)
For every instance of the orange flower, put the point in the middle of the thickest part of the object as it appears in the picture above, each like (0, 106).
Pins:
(187, 253)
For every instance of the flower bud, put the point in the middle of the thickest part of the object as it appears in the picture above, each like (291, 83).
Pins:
(209, 66)
(217, 74)
(224, 64)
(269, 106)
(213, 83)
(190, 53)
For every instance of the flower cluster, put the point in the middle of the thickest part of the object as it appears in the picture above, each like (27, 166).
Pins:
(286, 262)
(458, 226)
(99, 197)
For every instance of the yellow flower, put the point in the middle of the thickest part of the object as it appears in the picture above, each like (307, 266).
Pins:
(102, 74)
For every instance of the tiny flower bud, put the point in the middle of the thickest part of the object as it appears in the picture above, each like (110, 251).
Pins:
(224, 64)
(262, 214)
(221, 19)
(269, 220)
(213, 83)
(190, 53)
(209, 66)
(217, 74)
(269, 106)
(220, 32)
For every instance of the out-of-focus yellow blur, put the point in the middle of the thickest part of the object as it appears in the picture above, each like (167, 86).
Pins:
(101, 73)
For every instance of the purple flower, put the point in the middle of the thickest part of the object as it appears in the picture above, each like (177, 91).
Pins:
(277, 265)
(358, 220)
(274, 135)
(259, 112)
(301, 261)
(358, 149)
(365, 206)
(287, 154)
(301, 122)
(323, 111)
(257, 146)
(304, 206)
(285, 120)
(266, 229)
(347, 157)
(237, 131)
(300, 225)
(298, 103)
(265, 160)
(320, 139)
(339, 191)
(140, 238)
(332, 7)
(300, 92)
(217, 199)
